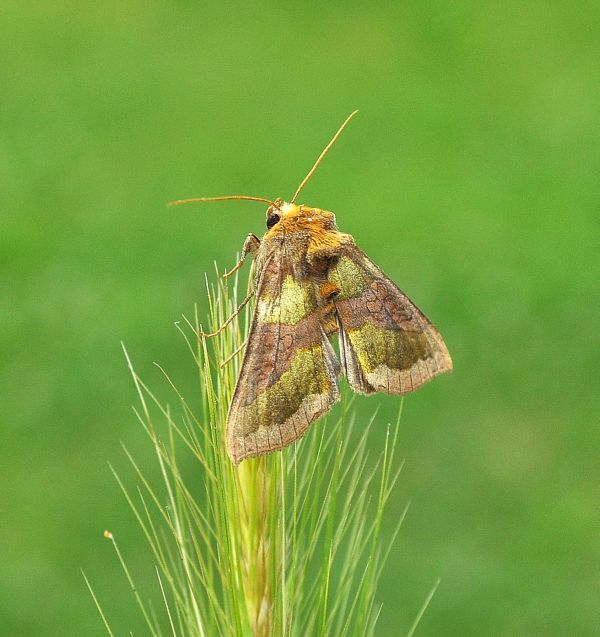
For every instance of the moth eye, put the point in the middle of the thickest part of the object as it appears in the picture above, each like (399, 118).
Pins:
(272, 219)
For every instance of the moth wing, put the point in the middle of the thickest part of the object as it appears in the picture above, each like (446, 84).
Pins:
(289, 372)
(386, 343)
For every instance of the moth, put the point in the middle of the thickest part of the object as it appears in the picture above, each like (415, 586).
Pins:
(312, 282)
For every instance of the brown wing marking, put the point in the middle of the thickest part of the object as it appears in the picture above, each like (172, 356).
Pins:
(386, 343)
(289, 373)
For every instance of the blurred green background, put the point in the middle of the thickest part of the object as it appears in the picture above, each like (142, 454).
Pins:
(470, 176)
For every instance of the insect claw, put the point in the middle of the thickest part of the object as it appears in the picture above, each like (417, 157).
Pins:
(233, 270)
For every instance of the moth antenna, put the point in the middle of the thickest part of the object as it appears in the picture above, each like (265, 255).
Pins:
(178, 202)
(322, 155)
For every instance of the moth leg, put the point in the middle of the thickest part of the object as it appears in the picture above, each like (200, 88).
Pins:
(251, 244)
(237, 351)
(241, 306)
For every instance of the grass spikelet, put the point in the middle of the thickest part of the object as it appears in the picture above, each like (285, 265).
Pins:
(287, 544)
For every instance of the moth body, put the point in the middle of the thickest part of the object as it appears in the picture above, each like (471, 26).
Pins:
(312, 282)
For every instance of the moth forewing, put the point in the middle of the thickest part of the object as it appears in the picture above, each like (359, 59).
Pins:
(386, 343)
(289, 372)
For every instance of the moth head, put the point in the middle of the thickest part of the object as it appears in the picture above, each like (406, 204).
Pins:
(283, 217)
(291, 214)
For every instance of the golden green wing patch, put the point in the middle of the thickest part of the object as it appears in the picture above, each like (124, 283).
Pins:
(294, 301)
(375, 346)
(350, 277)
(307, 375)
